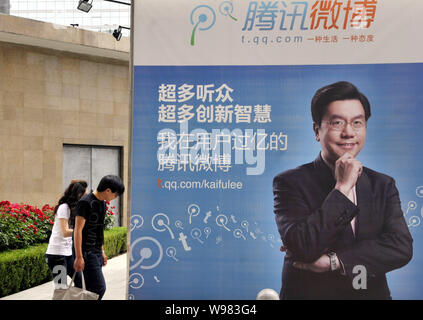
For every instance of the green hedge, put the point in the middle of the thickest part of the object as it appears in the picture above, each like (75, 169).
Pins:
(26, 268)
(115, 241)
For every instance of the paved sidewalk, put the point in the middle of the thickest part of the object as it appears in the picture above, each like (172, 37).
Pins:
(115, 273)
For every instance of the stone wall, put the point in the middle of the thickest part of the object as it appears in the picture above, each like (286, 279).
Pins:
(49, 98)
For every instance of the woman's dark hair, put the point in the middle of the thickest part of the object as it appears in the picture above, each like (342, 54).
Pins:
(72, 194)
(112, 182)
(341, 90)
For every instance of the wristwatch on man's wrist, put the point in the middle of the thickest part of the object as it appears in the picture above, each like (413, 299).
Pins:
(332, 257)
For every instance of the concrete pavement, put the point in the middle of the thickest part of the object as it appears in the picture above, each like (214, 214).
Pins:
(115, 273)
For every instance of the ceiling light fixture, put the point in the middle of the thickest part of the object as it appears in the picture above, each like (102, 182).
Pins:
(117, 33)
(85, 5)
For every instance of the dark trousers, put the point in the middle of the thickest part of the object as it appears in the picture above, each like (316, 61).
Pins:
(60, 266)
(93, 272)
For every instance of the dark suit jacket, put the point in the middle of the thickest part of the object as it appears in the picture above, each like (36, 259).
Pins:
(314, 218)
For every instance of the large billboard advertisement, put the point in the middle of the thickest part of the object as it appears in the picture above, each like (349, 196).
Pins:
(222, 105)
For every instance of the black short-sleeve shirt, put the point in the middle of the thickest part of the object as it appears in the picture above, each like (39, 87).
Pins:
(93, 211)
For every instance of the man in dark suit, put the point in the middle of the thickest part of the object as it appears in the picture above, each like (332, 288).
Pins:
(341, 223)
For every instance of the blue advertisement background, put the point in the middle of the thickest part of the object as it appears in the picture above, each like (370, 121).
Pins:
(238, 268)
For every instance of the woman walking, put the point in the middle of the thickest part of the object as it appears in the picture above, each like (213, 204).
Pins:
(59, 252)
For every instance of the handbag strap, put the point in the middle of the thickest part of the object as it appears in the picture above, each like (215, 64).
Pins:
(83, 280)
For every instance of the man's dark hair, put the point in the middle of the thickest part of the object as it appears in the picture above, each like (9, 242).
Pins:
(341, 90)
(112, 182)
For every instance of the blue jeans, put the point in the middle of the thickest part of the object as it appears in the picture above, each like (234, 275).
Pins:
(54, 260)
(93, 272)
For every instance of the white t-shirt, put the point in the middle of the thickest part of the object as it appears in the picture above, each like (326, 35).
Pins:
(58, 244)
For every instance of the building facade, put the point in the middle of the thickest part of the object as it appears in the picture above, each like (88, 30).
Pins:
(60, 88)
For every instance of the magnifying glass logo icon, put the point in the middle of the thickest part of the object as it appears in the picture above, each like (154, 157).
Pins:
(171, 253)
(222, 221)
(207, 231)
(136, 281)
(196, 234)
(414, 221)
(226, 8)
(146, 253)
(202, 17)
(161, 222)
(136, 221)
(412, 205)
(245, 224)
(178, 224)
(193, 211)
(238, 234)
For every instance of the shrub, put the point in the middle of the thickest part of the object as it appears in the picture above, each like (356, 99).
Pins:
(115, 241)
(24, 233)
(22, 269)
(22, 225)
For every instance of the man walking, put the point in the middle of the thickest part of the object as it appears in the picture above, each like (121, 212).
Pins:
(88, 234)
